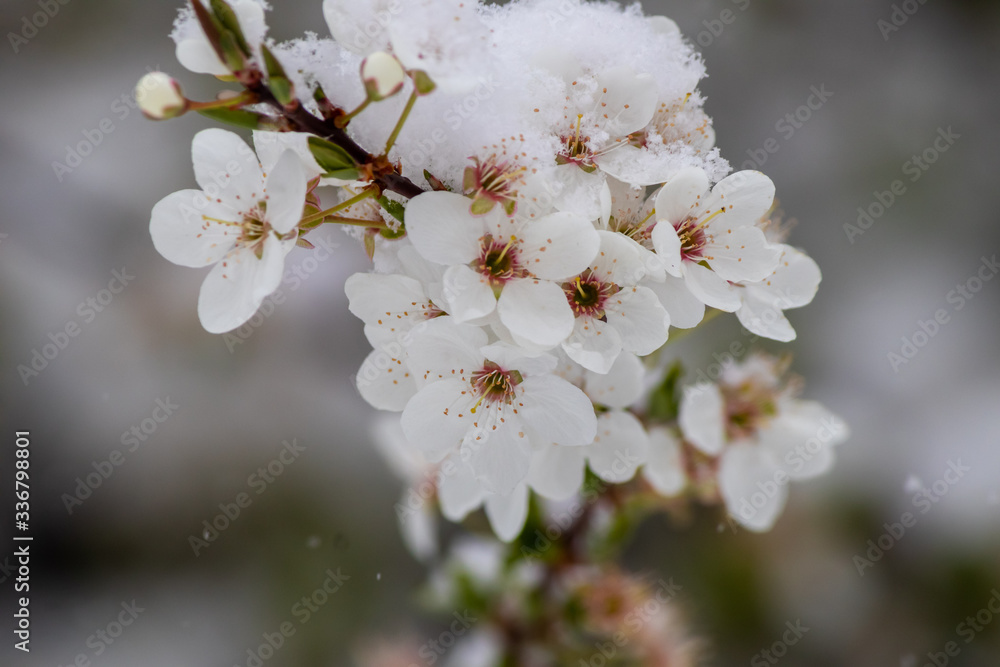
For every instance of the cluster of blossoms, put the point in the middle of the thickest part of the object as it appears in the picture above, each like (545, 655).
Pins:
(539, 192)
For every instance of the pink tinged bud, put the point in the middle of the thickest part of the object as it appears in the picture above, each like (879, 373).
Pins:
(160, 97)
(383, 75)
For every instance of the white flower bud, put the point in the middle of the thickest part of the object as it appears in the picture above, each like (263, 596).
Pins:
(383, 75)
(160, 97)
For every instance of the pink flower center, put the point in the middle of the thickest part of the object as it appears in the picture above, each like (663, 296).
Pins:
(693, 239)
(499, 262)
(587, 295)
(493, 384)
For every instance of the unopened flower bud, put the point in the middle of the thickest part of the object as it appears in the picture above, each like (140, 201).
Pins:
(160, 97)
(383, 75)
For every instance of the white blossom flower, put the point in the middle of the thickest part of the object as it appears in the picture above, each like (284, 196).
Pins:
(711, 239)
(195, 52)
(613, 312)
(383, 75)
(490, 402)
(243, 221)
(510, 265)
(763, 435)
(792, 285)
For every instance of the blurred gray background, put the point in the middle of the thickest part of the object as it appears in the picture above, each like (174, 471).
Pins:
(63, 234)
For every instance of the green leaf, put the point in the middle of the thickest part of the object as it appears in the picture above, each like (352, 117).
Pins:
(343, 174)
(330, 156)
(664, 402)
(237, 117)
(394, 208)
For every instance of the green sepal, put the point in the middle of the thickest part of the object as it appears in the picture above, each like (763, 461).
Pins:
(232, 53)
(423, 83)
(277, 80)
(227, 17)
(237, 117)
(436, 183)
(304, 243)
(482, 205)
(329, 156)
(392, 233)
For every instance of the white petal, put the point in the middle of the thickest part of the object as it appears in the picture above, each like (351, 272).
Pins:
(467, 293)
(794, 282)
(633, 165)
(499, 456)
(558, 246)
(197, 55)
(437, 418)
(640, 319)
(459, 492)
(746, 196)
(665, 468)
(286, 193)
(557, 471)
(513, 357)
(621, 386)
(183, 232)
(508, 513)
(703, 417)
(747, 481)
(627, 103)
(389, 305)
(385, 381)
(226, 169)
(618, 260)
(237, 285)
(685, 309)
(270, 146)
(680, 197)
(764, 319)
(536, 310)
(710, 288)
(442, 229)
(741, 253)
(668, 247)
(802, 437)
(620, 447)
(593, 344)
(556, 411)
(444, 349)
(419, 531)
